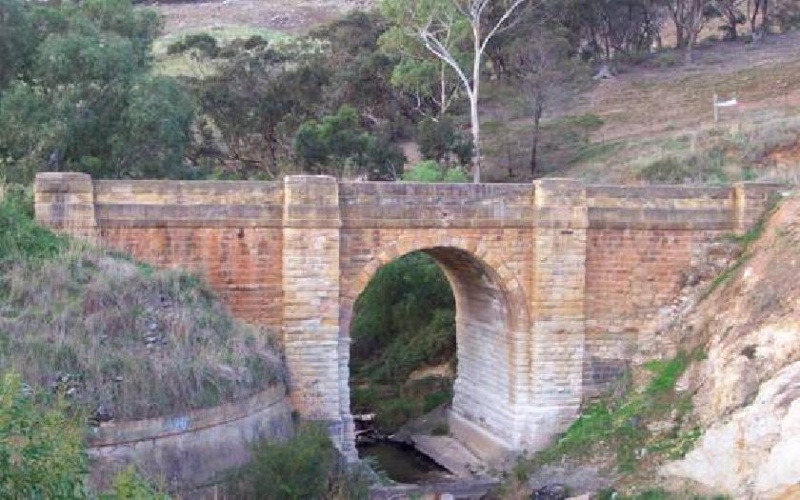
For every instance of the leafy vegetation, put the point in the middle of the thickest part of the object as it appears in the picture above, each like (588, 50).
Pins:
(82, 97)
(403, 321)
(23, 239)
(621, 425)
(306, 466)
(42, 449)
(338, 143)
(430, 171)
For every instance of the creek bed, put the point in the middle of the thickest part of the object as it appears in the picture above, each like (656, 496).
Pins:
(403, 463)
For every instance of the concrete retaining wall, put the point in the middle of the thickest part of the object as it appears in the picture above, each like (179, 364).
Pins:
(193, 449)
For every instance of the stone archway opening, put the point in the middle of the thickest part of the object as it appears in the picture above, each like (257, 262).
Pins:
(482, 412)
(402, 349)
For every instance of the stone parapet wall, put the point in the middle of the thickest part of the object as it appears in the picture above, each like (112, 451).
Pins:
(387, 205)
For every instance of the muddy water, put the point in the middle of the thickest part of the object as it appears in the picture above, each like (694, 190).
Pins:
(403, 463)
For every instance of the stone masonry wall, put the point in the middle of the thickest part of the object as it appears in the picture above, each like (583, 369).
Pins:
(641, 240)
(229, 232)
(480, 236)
(554, 282)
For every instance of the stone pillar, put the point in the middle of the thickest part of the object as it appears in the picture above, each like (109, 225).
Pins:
(311, 222)
(64, 202)
(557, 308)
(751, 200)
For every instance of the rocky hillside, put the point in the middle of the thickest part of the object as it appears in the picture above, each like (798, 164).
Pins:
(747, 389)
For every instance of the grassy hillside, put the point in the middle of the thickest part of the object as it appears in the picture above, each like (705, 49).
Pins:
(654, 121)
(121, 339)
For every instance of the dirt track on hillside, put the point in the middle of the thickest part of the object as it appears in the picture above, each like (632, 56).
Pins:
(294, 17)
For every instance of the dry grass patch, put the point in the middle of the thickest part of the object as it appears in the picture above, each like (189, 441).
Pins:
(122, 339)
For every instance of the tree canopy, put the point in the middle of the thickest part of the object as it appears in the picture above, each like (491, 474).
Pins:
(81, 96)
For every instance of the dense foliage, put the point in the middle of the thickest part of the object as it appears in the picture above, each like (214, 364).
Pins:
(403, 321)
(79, 90)
(78, 94)
(306, 466)
(42, 452)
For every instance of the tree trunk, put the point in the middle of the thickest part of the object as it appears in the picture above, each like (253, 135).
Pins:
(443, 90)
(680, 39)
(752, 17)
(692, 26)
(473, 107)
(538, 107)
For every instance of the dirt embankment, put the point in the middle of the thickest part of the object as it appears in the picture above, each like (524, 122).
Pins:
(747, 389)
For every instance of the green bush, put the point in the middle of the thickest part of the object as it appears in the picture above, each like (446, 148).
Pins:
(439, 140)
(129, 485)
(41, 450)
(430, 171)
(21, 237)
(302, 468)
(203, 42)
(424, 171)
(668, 170)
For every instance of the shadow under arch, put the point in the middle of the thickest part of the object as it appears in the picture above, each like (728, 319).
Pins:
(492, 334)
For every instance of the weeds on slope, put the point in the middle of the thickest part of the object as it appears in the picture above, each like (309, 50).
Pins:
(648, 422)
(124, 340)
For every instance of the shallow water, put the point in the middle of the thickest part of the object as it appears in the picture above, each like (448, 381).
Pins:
(403, 463)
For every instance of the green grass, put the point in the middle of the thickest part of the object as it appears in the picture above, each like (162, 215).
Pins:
(22, 238)
(620, 425)
(655, 494)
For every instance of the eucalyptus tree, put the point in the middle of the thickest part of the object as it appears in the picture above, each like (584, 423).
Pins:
(81, 96)
(544, 69)
(438, 24)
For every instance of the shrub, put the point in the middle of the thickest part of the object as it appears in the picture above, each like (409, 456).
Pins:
(430, 171)
(303, 467)
(22, 237)
(128, 485)
(439, 140)
(668, 170)
(41, 450)
(203, 42)
(424, 171)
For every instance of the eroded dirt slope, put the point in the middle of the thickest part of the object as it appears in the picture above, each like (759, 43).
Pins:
(747, 390)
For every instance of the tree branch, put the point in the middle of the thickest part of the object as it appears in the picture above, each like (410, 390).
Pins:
(499, 23)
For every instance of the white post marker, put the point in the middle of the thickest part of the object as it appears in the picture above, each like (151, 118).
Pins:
(722, 104)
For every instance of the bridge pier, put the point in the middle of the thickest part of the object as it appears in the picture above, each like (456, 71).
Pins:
(558, 291)
(315, 350)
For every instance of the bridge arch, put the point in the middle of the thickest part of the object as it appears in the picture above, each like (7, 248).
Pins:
(492, 334)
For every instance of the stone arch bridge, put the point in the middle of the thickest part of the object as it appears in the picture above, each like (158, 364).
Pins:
(556, 282)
